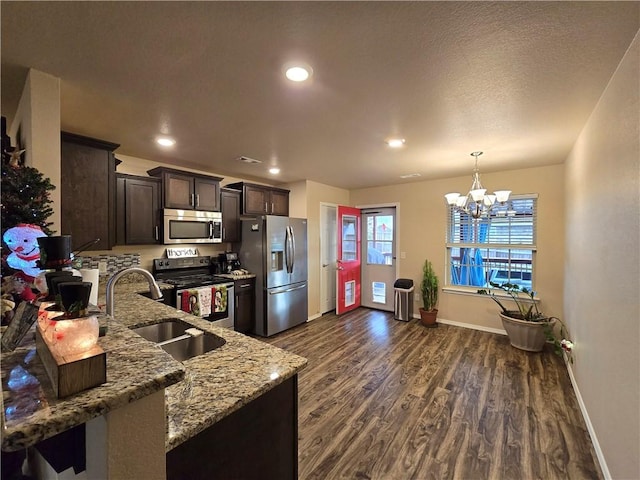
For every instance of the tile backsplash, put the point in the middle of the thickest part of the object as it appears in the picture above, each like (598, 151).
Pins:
(108, 264)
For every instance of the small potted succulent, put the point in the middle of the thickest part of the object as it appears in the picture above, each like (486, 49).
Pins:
(528, 328)
(429, 291)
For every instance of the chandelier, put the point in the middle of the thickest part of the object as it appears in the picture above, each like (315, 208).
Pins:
(477, 203)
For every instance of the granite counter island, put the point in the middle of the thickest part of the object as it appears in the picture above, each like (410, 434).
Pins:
(199, 393)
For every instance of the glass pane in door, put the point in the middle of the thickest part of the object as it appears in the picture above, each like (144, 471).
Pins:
(380, 239)
(349, 238)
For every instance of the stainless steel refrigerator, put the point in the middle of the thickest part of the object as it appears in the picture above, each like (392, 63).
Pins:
(275, 249)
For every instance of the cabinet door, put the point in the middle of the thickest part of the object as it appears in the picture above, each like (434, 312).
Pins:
(87, 191)
(141, 211)
(207, 194)
(256, 200)
(245, 305)
(178, 191)
(279, 203)
(230, 207)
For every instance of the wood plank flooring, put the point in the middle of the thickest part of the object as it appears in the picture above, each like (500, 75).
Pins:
(384, 399)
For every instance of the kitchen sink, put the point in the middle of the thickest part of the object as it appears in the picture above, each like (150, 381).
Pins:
(189, 347)
(179, 339)
(161, 332)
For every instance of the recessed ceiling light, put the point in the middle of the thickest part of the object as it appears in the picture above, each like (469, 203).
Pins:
(410, 175)
(298, 73)
(274, 170)
(395, 142)
(166, 141)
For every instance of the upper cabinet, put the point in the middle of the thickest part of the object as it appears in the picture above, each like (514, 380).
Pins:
(230, 207)
(188, 191)
(87, 191)
(137, 210)
(262, 200)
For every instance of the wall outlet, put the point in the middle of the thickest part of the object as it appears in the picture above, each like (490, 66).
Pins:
(102, 267)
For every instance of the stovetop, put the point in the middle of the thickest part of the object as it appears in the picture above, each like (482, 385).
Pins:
(192, 281)
(190, 272)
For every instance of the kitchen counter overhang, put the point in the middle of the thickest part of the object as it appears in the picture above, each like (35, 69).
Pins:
(199, 391)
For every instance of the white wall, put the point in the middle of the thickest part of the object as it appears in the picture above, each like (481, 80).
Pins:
(422, 228)
(38, 119)
(602, 267)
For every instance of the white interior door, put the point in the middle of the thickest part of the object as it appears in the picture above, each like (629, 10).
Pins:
(378, 257)
(328, 252)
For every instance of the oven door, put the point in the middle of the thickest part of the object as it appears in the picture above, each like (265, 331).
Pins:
(214, 303)
(191, 226)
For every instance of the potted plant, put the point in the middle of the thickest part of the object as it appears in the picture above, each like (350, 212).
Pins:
(429, 290)
(528, 328)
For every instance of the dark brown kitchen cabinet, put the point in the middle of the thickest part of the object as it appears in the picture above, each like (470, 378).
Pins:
(230, 208)
(87, 191)
(245, 305)
(188, 191)
(262, 200)
(137, 210)
(258, 441)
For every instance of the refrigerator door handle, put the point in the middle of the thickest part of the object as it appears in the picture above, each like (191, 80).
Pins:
(287, 290)
(292, 250)
(288, 249)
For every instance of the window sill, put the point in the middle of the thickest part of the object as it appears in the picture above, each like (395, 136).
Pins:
(473, 291)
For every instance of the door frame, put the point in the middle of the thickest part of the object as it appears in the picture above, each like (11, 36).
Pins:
(365, 273)
(323, 239)
(395, 205)
(399, 258)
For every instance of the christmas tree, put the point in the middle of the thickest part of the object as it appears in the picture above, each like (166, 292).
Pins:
(25, 197)
(25, 191)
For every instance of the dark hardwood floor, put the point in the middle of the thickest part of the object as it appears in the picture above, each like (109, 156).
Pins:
(384, 399)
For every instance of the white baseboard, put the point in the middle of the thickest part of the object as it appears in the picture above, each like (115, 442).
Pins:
(587, 421)
(472, 326)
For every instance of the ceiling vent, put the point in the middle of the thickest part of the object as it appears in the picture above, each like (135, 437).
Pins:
(248, 160)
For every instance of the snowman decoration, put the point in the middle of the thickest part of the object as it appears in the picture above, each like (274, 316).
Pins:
(22, 240)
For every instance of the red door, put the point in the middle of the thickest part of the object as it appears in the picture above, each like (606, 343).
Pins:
(348, 284)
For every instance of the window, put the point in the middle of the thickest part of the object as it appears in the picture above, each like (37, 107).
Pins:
(499, 248)
(380, 240)
(349, 239)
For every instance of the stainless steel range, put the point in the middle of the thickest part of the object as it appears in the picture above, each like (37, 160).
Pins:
(196, 290)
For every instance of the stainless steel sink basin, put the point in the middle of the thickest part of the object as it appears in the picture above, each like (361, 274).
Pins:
(161, 332)
(185, 348)
(179, 339)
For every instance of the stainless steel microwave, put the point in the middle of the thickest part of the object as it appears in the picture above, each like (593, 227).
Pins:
(191, 226)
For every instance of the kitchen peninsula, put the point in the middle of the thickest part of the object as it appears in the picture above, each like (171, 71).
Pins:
(235, 396)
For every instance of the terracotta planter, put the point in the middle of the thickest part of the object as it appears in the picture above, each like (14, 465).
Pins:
(428, 317)
(525, 335)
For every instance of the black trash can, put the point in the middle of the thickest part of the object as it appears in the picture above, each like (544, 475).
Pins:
(403, 299)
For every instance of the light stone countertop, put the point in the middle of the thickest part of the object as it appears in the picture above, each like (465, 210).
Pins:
(215, 384)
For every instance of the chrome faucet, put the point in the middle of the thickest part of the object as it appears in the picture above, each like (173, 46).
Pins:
(154, 289)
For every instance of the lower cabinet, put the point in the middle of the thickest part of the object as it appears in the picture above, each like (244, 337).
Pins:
(259, 441)
(245, 305)
(137, 210)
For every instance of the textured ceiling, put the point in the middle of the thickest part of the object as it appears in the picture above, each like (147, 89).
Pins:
(517, 80)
